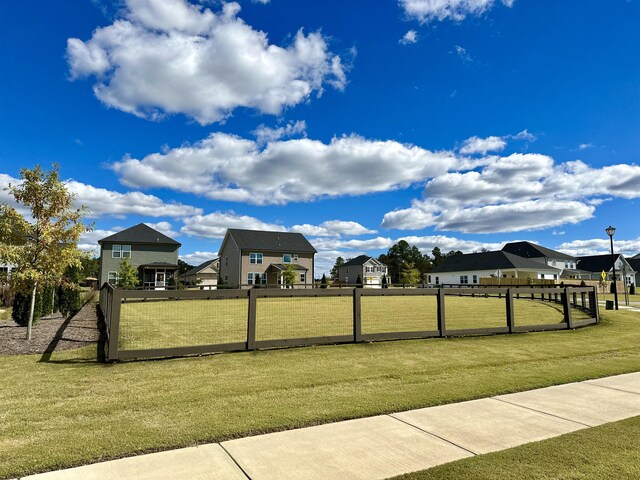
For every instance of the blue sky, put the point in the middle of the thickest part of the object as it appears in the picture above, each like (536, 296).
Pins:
(460, 123)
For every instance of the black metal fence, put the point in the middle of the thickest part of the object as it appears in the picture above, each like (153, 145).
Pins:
(156, 323)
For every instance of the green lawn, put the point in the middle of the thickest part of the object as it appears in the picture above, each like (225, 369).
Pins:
(73, 410)
(180, 323)
(610, 451)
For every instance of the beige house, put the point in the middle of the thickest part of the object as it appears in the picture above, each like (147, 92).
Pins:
(204, 275)
(250, 257)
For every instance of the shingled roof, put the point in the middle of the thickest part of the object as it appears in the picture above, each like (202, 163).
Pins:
(270, 241)
(634, 262)
(531, 250)
(359, 260)
(596, 263)
(199, 268)
(487, 261)
(140, 234)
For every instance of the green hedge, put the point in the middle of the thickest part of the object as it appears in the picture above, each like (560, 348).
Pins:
(68, 300)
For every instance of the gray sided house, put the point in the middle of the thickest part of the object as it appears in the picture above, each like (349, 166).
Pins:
(471, 267)
(248, 257)
(594, 265)
(635, 264)
(204, 275)
(369, 269)
(152, 253)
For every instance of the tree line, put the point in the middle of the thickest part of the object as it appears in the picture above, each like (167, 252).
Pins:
(405, 263)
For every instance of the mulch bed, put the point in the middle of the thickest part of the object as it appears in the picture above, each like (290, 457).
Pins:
(51, 334)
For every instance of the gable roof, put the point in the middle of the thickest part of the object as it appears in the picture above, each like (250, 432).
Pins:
(487, 261)
(634, 262)
(199, 268)
(140, 233)
(531, 250)
(597, 263)
(359, 260)
(269, 241)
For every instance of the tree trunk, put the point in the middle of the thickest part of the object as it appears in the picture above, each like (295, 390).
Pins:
(33, 306)
(53, 299)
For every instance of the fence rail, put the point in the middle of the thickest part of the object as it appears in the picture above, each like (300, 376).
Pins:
(253, 318)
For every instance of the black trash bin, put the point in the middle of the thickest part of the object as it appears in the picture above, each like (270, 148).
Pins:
(609, 305)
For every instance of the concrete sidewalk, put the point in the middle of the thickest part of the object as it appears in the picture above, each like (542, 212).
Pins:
(386, 445)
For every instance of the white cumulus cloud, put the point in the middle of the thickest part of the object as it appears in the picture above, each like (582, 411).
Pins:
(228, 167)
(427, 11)
(170, 56)
(410, 37)
(475, 145)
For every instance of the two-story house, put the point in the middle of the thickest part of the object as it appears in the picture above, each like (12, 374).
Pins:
(154, 255)
(369, 269)
(551, 258)
(596, 264)
(248, 257)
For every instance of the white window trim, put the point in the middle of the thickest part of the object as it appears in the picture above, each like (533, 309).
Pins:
(121, 250)
(258, 258)
(115, 275)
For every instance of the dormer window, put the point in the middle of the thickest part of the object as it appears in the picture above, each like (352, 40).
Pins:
(121, 251)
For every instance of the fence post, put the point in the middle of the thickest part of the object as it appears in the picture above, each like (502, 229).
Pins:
(442, 324)
(593, 303)
(357, 315)
(114, 324)
(575, 299)
(251, 320)
(566, 304)
(510, 318)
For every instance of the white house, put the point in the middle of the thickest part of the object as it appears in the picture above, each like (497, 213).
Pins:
(543, 255)
(596, 264)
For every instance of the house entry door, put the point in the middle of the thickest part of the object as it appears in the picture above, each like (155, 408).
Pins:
(160, 280)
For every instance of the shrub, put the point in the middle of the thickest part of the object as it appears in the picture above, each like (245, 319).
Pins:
(359, 281)
(69, 300)
(583, 283)
(385, 283)
(632, 289)
(22, 308)
(323, 282)
(47, 305)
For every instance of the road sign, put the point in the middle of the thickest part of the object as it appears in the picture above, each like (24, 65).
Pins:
(603, 275)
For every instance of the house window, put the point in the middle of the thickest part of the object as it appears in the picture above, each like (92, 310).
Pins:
(121, 251)
(437, 280)
(255, 258)
(346, 280)
(566, 264)
(542, 276)
(555, 276)
(226, 279)
(429, 279)
(226, 261)
(369, 269)
(303, 277)
(475, 279)
(464, 279)
(250, 278)
(113, 278)
(286, 258)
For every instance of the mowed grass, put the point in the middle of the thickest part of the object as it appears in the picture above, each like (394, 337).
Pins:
(73, 410)
(610, 451)
(173, 323)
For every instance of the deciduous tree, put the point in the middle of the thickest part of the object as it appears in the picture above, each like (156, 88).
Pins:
(43, 245)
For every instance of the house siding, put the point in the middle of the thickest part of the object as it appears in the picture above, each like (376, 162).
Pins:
(141, 254)
(304, 260)
(454, 277)
(232, 268)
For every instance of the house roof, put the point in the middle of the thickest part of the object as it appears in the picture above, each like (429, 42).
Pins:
(159, 265)
(359, 260)
(634, 262)
(140, 233)
(596, 263)
(487, 261)
(270, 241)
(282, 266)
(199, 268)
(531, 250)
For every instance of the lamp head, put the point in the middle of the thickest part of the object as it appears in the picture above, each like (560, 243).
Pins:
(610, 231)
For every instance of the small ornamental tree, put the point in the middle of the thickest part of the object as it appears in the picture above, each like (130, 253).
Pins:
(127, 275)
(359, 281)
(385, 284)
(323, 282)
(289, 275)
(44, 245)
(632, 289)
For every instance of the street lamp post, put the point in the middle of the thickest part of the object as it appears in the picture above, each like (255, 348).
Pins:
(610, 231)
